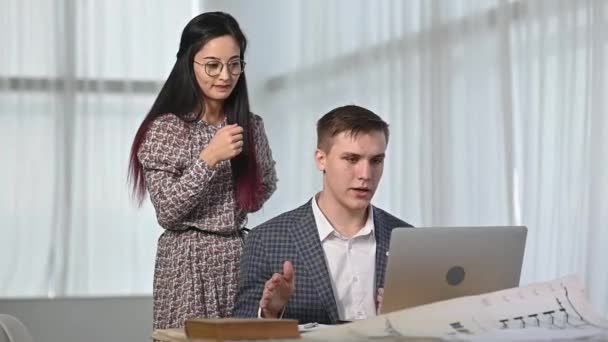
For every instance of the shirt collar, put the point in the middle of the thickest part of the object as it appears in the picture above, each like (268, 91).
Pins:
(326, 229)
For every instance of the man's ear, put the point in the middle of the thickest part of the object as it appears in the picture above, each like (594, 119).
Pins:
(320, 159)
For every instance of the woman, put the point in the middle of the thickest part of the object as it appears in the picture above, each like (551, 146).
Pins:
(205, 161)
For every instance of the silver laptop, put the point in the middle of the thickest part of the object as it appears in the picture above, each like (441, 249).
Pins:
(427, 265)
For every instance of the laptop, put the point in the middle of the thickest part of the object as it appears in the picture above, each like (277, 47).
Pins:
(427, 265)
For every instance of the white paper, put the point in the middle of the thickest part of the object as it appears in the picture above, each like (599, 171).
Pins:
(556, 310)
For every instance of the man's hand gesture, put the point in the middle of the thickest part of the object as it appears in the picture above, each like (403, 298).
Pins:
(277, 291)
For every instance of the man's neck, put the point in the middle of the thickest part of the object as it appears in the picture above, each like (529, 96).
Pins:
(347, 222)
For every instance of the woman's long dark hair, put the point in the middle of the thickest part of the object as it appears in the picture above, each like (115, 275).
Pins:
(181, 95)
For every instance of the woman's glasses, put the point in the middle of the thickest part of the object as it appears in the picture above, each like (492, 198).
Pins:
(214, 68)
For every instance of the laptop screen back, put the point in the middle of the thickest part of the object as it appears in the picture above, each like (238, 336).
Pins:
(427, 265)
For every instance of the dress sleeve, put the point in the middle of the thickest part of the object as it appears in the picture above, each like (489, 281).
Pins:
(264, 159)
(175, 180)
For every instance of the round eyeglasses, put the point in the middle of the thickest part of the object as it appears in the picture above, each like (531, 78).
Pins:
(214, 68)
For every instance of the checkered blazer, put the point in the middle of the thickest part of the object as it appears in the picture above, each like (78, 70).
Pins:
(294, 236)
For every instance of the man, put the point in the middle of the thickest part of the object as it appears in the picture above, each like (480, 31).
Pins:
(324, 261)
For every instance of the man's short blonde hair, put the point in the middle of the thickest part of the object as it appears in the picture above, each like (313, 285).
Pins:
(351, 119)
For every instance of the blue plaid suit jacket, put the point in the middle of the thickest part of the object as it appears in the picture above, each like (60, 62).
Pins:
(294, 236)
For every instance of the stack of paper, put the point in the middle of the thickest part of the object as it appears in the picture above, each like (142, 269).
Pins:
(556, 310)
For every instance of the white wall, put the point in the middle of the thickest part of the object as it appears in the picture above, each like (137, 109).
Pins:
(84, 319)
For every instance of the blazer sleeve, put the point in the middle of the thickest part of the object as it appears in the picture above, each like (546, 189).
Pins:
(254, 272)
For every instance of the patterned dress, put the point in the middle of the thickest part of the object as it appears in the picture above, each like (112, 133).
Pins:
(197, 261)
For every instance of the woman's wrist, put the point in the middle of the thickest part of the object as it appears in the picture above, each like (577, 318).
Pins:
(208, 158)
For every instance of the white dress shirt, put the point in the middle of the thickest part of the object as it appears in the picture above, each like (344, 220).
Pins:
(352, 264)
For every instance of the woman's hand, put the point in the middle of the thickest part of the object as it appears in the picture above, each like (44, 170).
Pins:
(226, 144)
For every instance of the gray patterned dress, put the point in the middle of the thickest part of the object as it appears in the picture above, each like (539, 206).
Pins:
(197, 261)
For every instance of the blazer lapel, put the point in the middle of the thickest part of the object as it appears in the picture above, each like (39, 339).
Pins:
(383, 236)
(309, 248)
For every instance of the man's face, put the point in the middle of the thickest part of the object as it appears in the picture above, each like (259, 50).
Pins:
(353, 167)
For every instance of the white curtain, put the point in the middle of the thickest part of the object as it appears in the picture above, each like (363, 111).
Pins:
(496, 109)
(76, 79)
